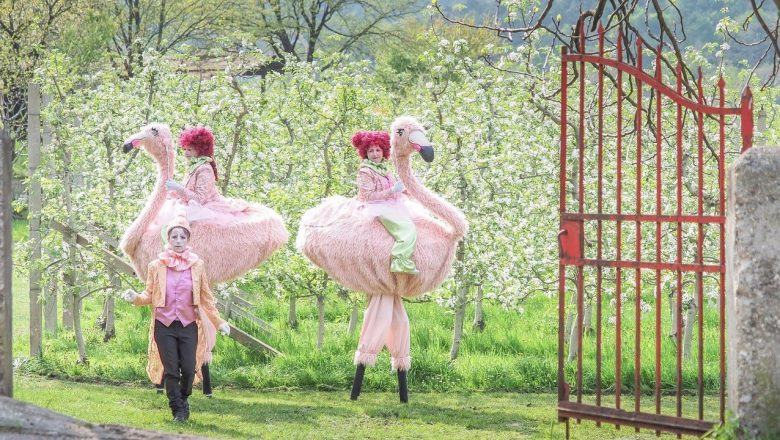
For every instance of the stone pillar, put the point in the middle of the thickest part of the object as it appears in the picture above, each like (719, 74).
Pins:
(6, 264)
(753, 290)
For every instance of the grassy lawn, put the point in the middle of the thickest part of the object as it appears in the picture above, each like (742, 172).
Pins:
(239, 413)
(501, 386)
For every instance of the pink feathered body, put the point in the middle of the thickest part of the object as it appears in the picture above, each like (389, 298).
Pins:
(230, 245)
(354, 249)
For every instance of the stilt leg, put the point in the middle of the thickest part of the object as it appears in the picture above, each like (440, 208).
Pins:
(403, 390)
(357, 384)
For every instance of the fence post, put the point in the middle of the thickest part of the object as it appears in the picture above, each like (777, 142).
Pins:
(6, 265)
(34, 198)
(753, 290)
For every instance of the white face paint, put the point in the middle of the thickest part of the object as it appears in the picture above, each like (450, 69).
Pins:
(178, 239)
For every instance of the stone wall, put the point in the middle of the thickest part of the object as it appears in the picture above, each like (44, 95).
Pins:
(753, 291)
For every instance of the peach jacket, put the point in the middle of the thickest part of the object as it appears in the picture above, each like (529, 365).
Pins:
(205, 310)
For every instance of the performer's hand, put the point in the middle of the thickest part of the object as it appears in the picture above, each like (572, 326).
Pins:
(129, 295)
(398, 187)
(170, 185)
(224, 328)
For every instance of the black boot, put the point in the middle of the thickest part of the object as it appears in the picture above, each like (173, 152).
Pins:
(403, 391)
(357, 384)
(185, 410)
(178, 410)
(204, 370)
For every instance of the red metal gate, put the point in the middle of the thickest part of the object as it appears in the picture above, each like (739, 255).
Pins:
(696, 206)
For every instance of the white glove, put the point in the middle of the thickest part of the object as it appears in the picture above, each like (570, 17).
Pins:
(398, 187)
(224, 328)
(171, 185)
(129, 295)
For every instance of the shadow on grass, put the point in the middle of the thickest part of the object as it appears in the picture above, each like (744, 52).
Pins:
(379, 409)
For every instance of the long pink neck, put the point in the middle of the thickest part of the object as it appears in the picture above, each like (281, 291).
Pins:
(153, 205)
(437, 205)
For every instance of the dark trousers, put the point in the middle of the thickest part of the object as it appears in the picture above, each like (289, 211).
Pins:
(177, 345)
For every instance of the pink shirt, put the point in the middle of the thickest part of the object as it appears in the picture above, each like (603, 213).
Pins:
(178, 299)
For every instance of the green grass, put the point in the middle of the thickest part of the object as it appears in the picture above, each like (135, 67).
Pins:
(515, 353)
(241, 413)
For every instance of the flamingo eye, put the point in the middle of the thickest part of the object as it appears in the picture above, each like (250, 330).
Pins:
(400, 131)
(155, 131)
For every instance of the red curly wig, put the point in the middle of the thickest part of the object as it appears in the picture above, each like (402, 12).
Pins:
(364, 139)
(201, 140)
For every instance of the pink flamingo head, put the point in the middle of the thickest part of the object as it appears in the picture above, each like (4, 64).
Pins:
(407, 136)
(155, 139)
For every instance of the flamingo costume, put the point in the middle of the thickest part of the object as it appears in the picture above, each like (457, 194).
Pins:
(355, 250)
(231, 236)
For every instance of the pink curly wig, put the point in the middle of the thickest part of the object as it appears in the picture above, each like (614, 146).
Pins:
(201, 140)
(364, 139)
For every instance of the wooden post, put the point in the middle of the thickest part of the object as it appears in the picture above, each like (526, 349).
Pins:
(34, 197)
(228, 305)
(6, 265)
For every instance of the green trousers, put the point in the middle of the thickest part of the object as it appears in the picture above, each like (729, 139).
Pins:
(405, 234)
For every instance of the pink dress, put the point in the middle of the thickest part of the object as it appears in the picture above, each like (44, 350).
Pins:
(203, 202)
(375, 192)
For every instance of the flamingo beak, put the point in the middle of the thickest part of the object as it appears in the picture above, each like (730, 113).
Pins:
(427, 153)
(129, 145)
(422, 145)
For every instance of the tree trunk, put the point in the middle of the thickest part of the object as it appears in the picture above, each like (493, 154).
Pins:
(460, 304)
(460, 315)
(673, 311)
(321, 326)
(570, 316)
(34, 194)
(690, 321)
(573, 340)
(292, 318)
(587, 320)
(68, 278)
(67, 299)
(77, 325)
(479, 320)
(50, 307)
(353, 318)
(109, 329)
(108, 316)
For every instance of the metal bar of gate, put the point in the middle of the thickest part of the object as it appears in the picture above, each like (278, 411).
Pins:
(562, 394)
(600, 208)
(722, 211)
(638, 271)
(581, 209)
(678, 299)
(700, 248)
(619, 232)
(706, 219)
(658, 211)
